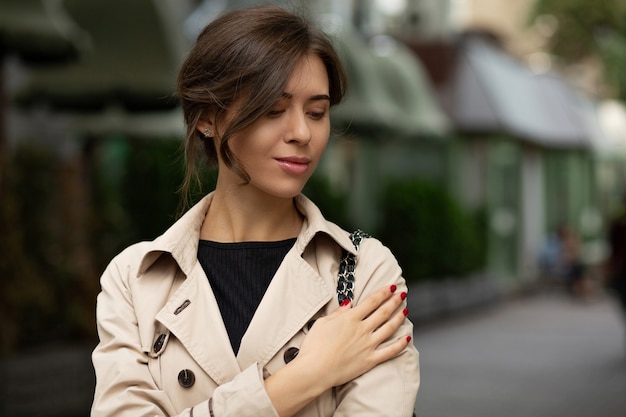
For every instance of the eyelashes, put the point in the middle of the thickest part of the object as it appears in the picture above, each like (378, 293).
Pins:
(315, 115)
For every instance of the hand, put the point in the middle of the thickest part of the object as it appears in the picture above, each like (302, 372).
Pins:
(338, 348)
(349, 342)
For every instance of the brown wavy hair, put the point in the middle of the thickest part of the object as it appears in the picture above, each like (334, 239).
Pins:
(244, 57)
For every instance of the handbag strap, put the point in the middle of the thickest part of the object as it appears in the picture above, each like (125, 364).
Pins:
(347, 265)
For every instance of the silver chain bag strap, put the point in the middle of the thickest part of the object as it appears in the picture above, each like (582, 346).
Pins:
(345, 282)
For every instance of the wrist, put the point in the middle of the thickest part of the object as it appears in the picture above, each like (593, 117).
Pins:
(294, 386)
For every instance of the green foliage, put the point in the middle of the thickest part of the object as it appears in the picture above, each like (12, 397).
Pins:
(590, 29)
(430, 234)
(581, 23)
(39, 287)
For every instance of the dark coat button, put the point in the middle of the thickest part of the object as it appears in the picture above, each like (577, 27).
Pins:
(186, 378)
(290, 354)
(158, 344)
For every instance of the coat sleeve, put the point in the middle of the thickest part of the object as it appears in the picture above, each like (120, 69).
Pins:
(124, 385)
(389, 389)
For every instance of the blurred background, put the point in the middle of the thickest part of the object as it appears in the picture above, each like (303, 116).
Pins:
(479, 138)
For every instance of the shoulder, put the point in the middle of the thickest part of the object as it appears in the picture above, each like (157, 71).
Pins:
(369, 248)
(373, 267)
(373, 253)
(371, 257)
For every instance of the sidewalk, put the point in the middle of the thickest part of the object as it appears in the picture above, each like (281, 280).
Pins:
(545, 355)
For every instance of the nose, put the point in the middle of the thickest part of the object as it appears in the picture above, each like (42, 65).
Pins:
(298, 129)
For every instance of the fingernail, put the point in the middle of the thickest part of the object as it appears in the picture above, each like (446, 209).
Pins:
(405, 311)
(345, 302)
(403, 295)
(392, 288)
(408, 339)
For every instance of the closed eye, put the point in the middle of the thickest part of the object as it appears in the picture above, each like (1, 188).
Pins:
(275, 113)
(317, 115)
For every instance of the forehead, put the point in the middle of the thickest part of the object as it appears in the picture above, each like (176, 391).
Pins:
(308, 76)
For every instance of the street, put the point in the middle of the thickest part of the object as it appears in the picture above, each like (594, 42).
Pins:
(544, 355)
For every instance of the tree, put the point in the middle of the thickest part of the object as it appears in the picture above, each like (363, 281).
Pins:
(590, 29)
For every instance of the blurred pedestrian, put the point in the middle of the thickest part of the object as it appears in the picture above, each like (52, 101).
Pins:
(252, 304)
(571, 258)
(549, 258)
(561, 259)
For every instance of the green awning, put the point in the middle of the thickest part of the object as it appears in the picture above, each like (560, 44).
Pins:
(132, 60)
(388, 91)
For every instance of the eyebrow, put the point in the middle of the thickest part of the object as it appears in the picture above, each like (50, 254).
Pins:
(316, 97)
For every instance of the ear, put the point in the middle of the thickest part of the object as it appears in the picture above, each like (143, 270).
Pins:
(205, 125)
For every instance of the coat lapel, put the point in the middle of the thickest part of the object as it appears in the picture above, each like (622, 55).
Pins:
(193, 316)
(295, 294)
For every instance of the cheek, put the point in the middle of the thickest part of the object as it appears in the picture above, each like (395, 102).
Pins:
(244, 145)
(323, 138)
(323, 143)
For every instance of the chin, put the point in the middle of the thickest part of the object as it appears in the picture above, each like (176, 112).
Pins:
(283, 188)
(286, 192)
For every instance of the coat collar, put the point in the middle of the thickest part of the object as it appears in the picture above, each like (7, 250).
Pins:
(316, 223)
(182, 238)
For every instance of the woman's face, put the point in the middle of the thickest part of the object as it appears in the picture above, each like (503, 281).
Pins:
(281, 149)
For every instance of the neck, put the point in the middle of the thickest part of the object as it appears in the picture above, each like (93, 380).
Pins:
(242, 215)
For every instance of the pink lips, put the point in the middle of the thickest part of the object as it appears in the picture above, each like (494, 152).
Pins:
(294, 164)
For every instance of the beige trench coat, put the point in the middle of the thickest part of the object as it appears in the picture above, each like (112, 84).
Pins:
(164, 350)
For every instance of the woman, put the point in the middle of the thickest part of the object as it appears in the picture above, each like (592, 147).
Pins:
(233, 311)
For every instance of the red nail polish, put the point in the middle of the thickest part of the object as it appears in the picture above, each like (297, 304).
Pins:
(408, 339)
(405, 311)
(392, 288)
(345, 302)
(403, 295)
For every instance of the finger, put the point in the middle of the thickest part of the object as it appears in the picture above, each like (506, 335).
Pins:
(391, 326)
(391, 350)
(343, 307)
(373, 301)
(384, 312)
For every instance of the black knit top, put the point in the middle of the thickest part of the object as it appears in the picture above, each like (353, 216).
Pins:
(239, 274)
